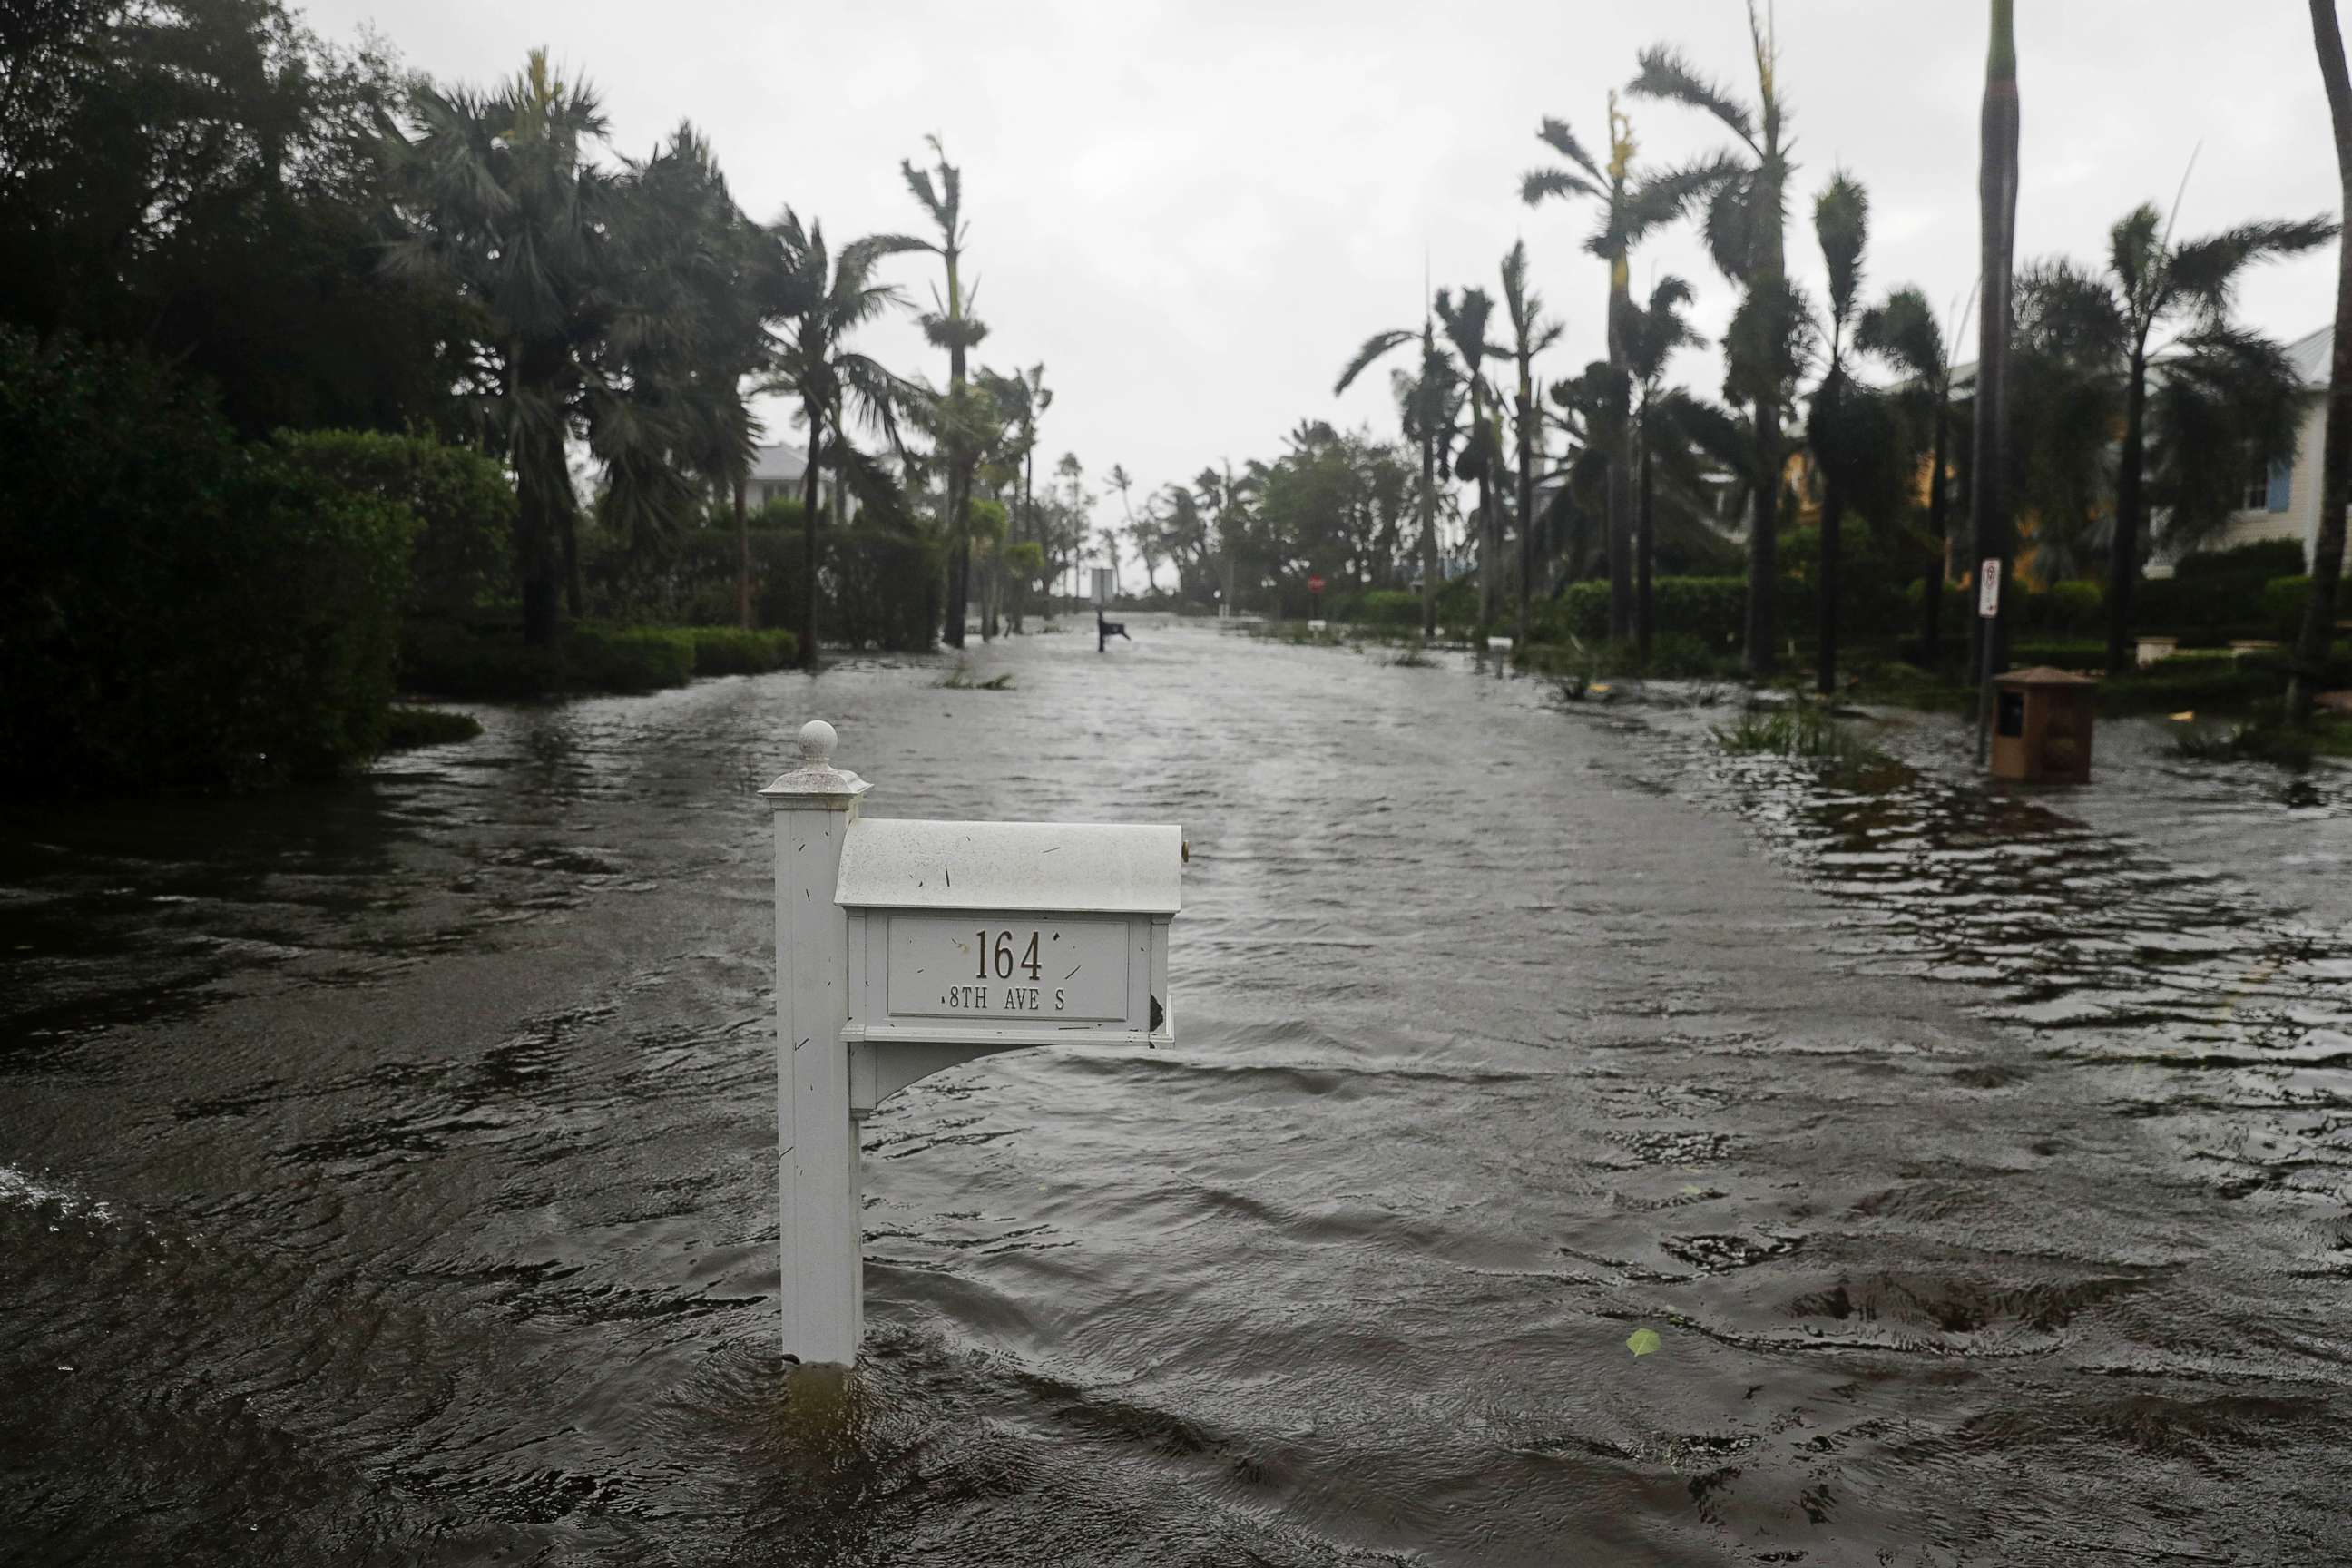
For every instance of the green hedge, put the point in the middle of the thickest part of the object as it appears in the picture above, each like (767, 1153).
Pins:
(176, 609)
(462, 557)
(443, 658)
(731, 650)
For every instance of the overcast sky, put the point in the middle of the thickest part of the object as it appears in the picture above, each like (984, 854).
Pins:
(1193, 213)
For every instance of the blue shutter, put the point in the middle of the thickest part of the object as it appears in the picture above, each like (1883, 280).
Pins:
(2282, 482)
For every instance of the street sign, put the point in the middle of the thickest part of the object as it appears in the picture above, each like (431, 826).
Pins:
(1106, 584)
(906, 947)
(1314, 585)
(1988, 588)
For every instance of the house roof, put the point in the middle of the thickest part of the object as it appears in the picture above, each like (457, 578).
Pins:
(778, 464)
(2313, 354)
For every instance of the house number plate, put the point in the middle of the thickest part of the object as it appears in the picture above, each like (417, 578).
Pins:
(1008, 967)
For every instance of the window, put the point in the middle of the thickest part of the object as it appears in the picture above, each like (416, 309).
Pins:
(2258, 489)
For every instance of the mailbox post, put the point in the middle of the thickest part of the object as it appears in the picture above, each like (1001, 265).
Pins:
(905, 947)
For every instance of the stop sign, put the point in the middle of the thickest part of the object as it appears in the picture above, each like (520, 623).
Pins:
(1314, 585)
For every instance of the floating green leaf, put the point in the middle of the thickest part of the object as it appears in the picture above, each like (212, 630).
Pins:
(1641, 1341)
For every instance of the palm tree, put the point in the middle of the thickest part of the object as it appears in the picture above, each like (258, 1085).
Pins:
(2336, 464)
(1022, 398)
(701, 338)
(1746, 217)
(2150, 282)
(1531, 334)
(1836, 428)
(1465, 326)
(1631, 210)
(506, 204)
(951, 326)
(1664, 420)
(1425, 402)
(834, 382)
(1901, 330)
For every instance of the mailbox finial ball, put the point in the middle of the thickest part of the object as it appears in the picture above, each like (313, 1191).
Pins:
(817, 739)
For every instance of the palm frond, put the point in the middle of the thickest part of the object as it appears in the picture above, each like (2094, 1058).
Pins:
(1666, 74)
(1373, 347)
(2206, 269)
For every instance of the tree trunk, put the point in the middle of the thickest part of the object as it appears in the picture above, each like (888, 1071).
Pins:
(742, 551)
(536, 485)
(2123, 551)
(1833, 532)
(1530, 426)
(807, 631)
(1763, 564)
(1645, 552)
(1997, 178)
(1428, 527)
(2311, 648)
(1931, 576)
(1620, 524)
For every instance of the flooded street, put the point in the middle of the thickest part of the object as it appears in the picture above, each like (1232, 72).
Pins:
(388, 1173)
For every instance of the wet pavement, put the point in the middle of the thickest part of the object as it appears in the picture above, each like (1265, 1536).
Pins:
(387, 1173)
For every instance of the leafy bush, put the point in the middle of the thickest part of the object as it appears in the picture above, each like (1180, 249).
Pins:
(443, 658)
(1386, 607)
(730, 650)
(625, 659)
(406, 728)
(1712, 611)
(2259, 562)
(176, 609)
(462, 558)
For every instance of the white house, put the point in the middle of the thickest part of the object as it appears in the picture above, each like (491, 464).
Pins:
(2283, 501)
(777, 474)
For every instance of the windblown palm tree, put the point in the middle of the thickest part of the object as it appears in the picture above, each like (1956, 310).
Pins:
(2222, 396)
(1026, 399)
(1465, 326)
(504, 202)
(1838, 427)
(709, 281)
(1664, 420)
(1632, 209)
(2336, 462)
(835, 384)
(1531, 334)
(1426, 399)
(1903, 332)
(1746, 215)
(951, 326)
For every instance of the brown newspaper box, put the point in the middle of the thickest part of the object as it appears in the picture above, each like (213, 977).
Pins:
(2041, 726)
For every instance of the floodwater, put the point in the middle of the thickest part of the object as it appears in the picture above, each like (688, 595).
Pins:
(387, 1174)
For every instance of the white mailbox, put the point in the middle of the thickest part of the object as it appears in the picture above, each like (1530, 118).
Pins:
(967, 938)
(905, 947)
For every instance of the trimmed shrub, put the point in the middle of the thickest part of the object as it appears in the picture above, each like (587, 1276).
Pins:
(176, 609)
(1386, 607)
(731, 650)
(627, 658)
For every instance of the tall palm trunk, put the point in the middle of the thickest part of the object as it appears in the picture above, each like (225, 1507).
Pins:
(1931, 575)
(2336, 464)
(1997, 181)
(540, 479)
(1645, 544)
(1428, 533)
(2123, 555)
(807, 632)
(1529, 425)
(1621, 447)
(742, 551)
